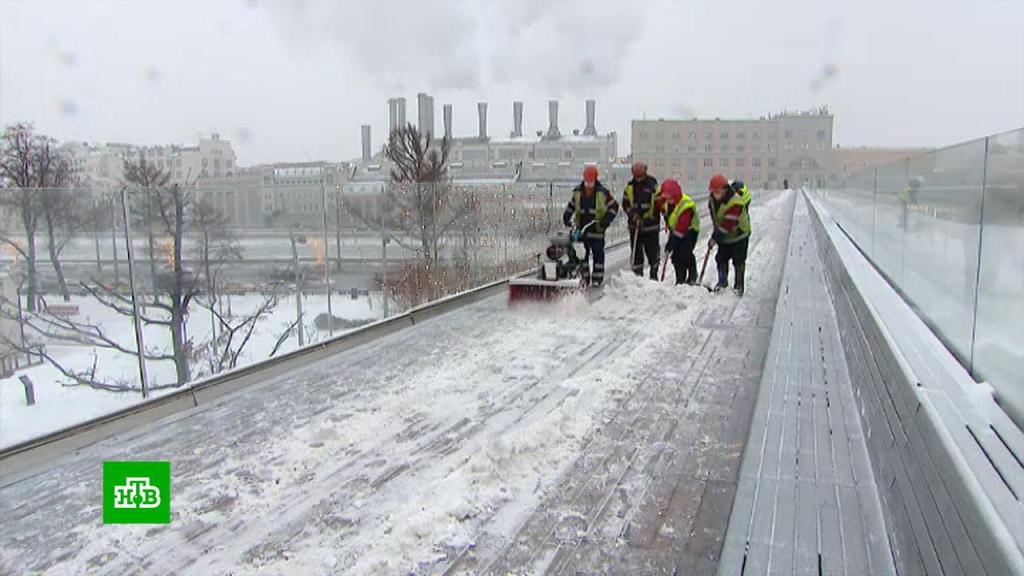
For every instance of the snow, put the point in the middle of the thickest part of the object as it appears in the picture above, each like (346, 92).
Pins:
(386, 458)
(59, 406)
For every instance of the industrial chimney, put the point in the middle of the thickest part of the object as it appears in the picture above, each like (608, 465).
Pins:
(392, 115)
(366, 143)
(517, 119)
(553, 132)
(425, 108)
(448, 121)
(400, 105)
(590, 130)
(481, 108)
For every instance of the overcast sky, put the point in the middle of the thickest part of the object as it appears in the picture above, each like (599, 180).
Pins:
(290, 81)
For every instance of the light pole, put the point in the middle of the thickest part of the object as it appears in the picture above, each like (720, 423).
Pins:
(327, 257)
(139, 340)
(298, 285)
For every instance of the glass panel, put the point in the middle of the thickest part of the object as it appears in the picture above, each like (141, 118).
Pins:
(890, 219)
(941, 240)
(998, 354)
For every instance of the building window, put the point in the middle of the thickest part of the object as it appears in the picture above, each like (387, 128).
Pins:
(772, 135)
(821, 134)
(789, 134)
(660, 135)
(677, 162)
(708, 163)
(756, 135)
(659, 148)
(691, 148)
(675, 135)
(707, 147)
(725, 148)
(691, 162)
(708, 135)
(805, 146)
(741, 148)
(657, 163)
(741, 135)
(643, 135)
(771, 162)
(756, 162)
(741, 162)
(821, 145)
(757, 176)
(693, 136)
(724, 162)
(755, 147)
(724, 136)
(692, 176)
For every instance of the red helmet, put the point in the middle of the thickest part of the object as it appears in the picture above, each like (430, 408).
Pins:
(590, 173)
(718, 182)
(671, 191)
(639, 169)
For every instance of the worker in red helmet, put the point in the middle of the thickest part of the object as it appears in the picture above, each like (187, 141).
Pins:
(638, 201)
(728, 204)
(592, 208)
(683, 224)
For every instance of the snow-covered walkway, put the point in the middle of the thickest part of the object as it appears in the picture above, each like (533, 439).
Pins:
(604, 437)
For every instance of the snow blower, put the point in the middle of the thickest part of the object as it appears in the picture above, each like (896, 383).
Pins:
(562, 270)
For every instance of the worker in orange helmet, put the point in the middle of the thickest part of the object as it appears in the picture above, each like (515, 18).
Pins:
(592, 208)
(683, 225)
(729, 206)
(638, 202)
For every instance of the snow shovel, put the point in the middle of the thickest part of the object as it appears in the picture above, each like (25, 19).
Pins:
(704, 267)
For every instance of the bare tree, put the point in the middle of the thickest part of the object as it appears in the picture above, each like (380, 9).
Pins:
(29, 162)
(64, 215)
(419, 202)
(143, 177)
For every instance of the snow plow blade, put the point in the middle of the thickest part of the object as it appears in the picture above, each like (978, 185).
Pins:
(537, 290)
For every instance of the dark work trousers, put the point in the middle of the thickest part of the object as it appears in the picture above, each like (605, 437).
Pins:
(647, 245)
(737, 253)
(683, 259)
(594, 246)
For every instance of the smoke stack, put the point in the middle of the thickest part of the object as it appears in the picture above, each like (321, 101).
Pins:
(448, 121)
(400, 111)
(425, 107)
(366, 143)
(392, 115)
(553, 120)
(590, 130)
(481, 108)
(517, 119)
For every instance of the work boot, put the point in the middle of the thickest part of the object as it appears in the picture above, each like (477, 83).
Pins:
(738, 291)
(719, 287)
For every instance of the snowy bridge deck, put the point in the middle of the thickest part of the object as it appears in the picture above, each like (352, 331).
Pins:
(573, 438)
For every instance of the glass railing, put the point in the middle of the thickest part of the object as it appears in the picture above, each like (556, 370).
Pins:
(946, 228)
(204, 282)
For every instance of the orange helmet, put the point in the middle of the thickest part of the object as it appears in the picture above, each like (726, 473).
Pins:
(639, 169)
(590, 173)
(671, 191)
(718, 182)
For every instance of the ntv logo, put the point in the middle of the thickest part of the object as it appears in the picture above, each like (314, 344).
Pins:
(136, 493)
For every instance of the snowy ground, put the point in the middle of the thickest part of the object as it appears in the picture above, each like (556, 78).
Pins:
(59, 406)
(386, 459)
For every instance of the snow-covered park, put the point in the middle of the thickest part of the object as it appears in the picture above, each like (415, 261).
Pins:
(59, 405)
